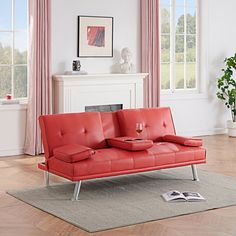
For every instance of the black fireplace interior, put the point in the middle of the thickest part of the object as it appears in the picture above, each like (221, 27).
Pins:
(104, 108)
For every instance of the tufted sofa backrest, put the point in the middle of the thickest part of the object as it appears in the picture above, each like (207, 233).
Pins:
(93, 128)
(156, 122)
(79, 128)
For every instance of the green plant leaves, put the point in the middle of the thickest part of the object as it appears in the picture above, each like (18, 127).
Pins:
(226, 85)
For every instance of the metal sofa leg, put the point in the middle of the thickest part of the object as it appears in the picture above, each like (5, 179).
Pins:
(76, 191)
(195, 175)
(46, 178)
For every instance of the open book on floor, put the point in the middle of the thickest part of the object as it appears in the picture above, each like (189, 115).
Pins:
(176, 196)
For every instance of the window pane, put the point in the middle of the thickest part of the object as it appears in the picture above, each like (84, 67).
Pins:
(191, 21)
(164, 2)
(179, 2)
(165, 48)
(5, 81)
(165, 20)
(191, 3)
(191, 48)
(191, 75)
(5, 14)
(165, 76)
(179, 75)
(179, 20)
(21, 14)
(182, 15)
(20, 56)
(20, 81)
(5, 48)
(179, 48)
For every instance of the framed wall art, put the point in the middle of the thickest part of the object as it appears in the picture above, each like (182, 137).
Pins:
(95, 36)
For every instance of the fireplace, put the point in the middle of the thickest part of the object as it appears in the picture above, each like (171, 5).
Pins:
(103, 92)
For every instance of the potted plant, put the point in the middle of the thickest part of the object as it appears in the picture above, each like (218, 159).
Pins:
(227, 92)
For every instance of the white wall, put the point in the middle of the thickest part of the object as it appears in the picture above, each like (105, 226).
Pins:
(204, 114)
(12, 129)
(194, 115)
(64, 32)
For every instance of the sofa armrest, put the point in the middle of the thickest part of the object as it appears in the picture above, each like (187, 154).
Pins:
(186, 141)
(130, 144)
(72, 153)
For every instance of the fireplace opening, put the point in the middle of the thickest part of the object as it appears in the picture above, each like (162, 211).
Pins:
(104, 108)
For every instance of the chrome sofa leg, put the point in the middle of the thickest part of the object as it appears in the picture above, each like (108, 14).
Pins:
(195, 175)
(46, 178)
(76, 191)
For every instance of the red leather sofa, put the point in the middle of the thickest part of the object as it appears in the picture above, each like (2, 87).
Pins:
(87, 145)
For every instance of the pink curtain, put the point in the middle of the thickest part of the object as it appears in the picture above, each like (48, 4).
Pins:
(39, 72)
(150, 61)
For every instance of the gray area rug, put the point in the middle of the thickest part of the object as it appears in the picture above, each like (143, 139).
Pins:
(126, 200)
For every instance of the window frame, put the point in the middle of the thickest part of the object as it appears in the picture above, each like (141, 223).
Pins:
(13, 65)
(172, 33)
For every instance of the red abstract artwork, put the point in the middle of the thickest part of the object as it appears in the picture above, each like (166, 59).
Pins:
(96, 36)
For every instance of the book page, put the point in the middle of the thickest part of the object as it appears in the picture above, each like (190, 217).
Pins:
(173, 196)
(193, 196)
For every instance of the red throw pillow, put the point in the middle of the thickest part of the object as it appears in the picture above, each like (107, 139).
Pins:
(192, 142)
(73, 153)
(130, 144)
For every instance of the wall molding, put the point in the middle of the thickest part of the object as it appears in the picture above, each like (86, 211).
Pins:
(13, 107)
(11, 152)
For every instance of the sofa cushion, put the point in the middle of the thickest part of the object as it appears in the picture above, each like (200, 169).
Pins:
(157, 122)
(115, 161)
(73, 153)
(80, 128)
(129, 143)
(186, 141)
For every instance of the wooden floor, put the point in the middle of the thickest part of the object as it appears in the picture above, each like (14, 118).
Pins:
(18, 218)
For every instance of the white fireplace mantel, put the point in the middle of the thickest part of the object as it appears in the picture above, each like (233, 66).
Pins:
(73, 92)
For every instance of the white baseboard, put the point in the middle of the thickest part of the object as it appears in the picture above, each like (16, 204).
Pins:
(11, 152)
(202, 132)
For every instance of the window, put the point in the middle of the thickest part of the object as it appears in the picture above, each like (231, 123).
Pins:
(179, 43)
(13, 48)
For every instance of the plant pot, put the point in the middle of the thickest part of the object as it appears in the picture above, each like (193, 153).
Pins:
(231, 128)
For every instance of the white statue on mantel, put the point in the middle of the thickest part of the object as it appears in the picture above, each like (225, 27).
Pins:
(127, 66)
